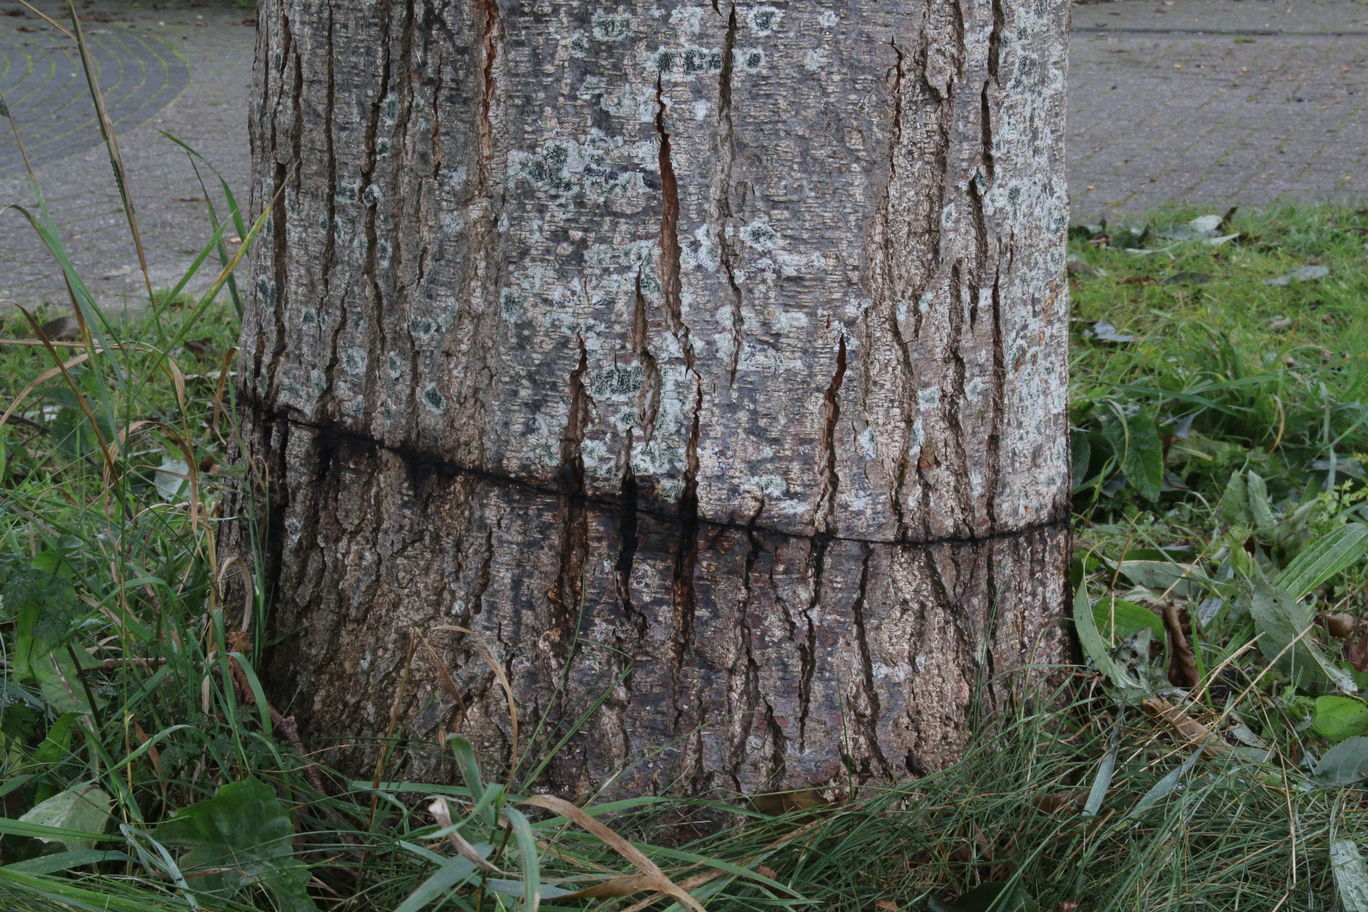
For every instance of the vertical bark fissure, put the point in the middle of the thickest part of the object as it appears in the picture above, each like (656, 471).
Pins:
(377, 337)
(627, 537)
(648, 399)
(399, 193)
(671, 252)
(999, 388)
(488, 270)
(489, 19)
(330, 230)
(727, 142)
(825, 518)
(870, 721)
(995, 43)
(807, 648)
(904, 350)
(280, 204)
(670, 280)
(979, 222)
(565, 601)
(952, 399)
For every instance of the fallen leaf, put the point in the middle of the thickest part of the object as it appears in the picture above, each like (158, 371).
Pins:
(1304, 274)
(1182, 670)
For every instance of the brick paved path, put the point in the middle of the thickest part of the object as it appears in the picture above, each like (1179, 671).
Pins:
(1213, 102)
(1217, 102)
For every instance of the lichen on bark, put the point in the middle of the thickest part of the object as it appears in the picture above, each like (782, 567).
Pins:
(706, 359)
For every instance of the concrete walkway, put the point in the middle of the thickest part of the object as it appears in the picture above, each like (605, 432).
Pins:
(1211, 102)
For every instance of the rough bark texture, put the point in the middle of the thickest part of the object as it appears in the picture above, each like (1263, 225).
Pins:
(703, 358)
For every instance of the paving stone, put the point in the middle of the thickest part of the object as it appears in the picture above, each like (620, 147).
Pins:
(1209, 102)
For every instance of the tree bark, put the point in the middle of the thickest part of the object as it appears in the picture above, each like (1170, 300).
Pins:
(702, 360)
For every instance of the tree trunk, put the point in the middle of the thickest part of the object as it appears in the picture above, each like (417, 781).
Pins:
(702, 360)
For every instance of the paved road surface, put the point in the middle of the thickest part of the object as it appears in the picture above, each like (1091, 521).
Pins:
(1213, 102)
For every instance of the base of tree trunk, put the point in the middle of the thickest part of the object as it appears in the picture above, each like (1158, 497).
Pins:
(696, 657)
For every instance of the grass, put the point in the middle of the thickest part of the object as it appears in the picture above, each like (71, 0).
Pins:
(1206, 755)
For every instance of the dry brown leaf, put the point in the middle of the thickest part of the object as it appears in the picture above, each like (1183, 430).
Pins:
(1197, 734)
(1340, 625)
(1182, 670)
(779, 803)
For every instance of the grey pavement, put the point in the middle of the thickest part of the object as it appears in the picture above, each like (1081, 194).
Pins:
(182, 69)
(1218, 103)
(1210, 102)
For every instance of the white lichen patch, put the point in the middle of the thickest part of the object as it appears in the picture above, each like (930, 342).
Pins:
(760, 234)
(599, 168)
(685, 62)
(701, 251)
(789, 320)
(771, 486)
(659, 461)
(688, 19)
(598, 458)
(751, 60)
(867, 443)
(815, 60)
(618, 383)
(611, 26)
(764, 19)
(828, 19)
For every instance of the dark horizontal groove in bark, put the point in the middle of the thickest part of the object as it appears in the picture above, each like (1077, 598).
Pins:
(1199, 32)
(411, 454)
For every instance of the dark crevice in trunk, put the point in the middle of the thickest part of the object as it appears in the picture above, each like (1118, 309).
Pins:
(280, 209)
(565, 600)
(727, 142)
(870, 721)
(999, 388)
(330, 231)
(807, 647)
(488, 15)
(995, 43)
(952, 399)
(377, 339)
(648, 400)
(825, 519)
(670, 250)
(627, 539)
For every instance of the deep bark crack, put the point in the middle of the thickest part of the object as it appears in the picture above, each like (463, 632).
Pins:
(565, 600)
(727, 142)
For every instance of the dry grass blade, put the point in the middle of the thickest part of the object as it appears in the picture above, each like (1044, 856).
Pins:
(441, 812)
(38, 381)
(496, 667)
(62, 368)
(622, 885)
(46, 18)
(635, 856)
(112, 144)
